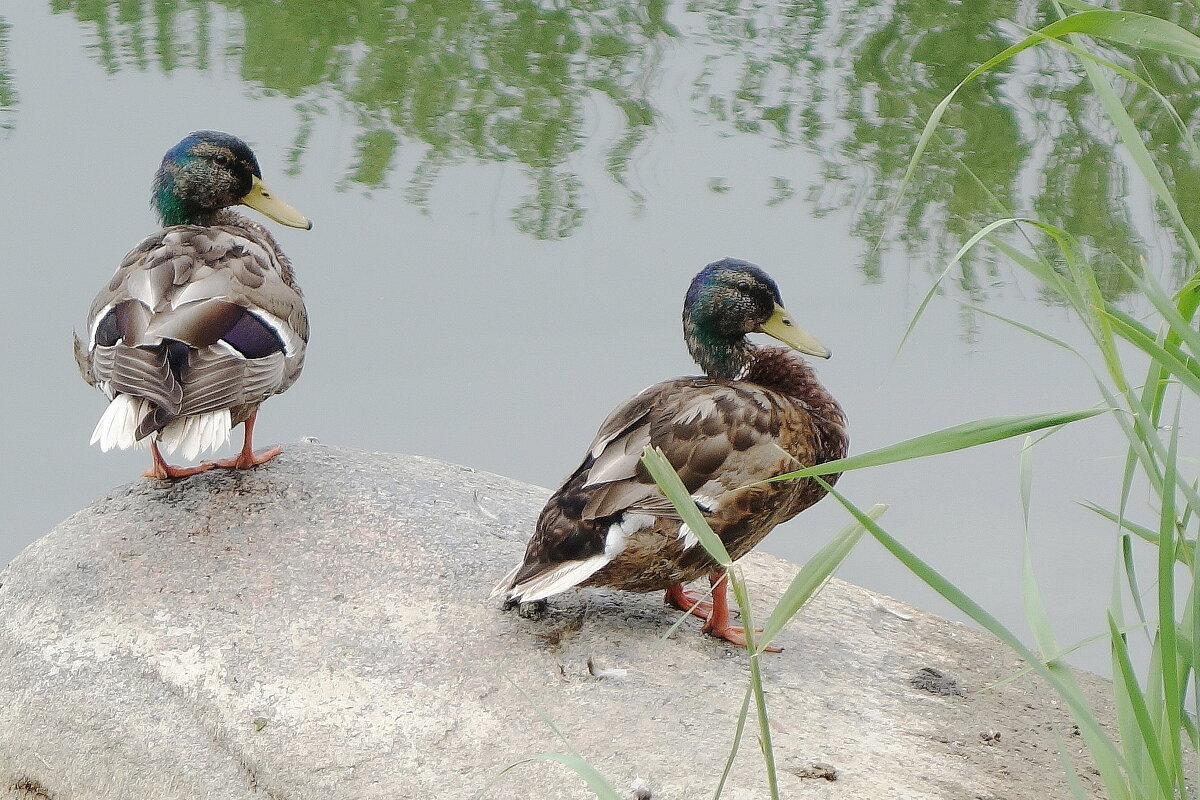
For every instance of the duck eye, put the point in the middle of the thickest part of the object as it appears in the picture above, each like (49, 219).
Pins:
(743, 286)
(221, 159)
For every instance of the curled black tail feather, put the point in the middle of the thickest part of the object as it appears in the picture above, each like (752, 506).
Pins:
(160, 417)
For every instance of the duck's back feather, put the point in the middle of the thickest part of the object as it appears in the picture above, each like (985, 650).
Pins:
(196, 321)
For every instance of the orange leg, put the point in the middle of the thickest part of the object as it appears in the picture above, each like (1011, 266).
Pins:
(687, 601)
(164, 471)
(248, 458)
(718, 622)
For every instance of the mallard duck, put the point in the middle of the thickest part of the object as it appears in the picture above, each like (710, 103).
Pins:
(203, 320)
(760, 412)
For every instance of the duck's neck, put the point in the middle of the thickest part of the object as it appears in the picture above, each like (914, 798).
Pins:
(776, 368)
(781, 370)
(172, 209)
(725, 357)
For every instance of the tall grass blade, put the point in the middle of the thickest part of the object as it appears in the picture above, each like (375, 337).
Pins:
(738, 730)
(590, 775)
(1055, 656)
(1192, 625)
(1172, 701)
(1171, 360)
(947, 440)
(756, 682)
(929, 295)
(1183, 555)
(1139, 30)
(1131, 693)
(672, 487)
(1031, 598)
(1126, 27)
(1026, 328)
(1037, 266)
(814, 574)
(1179, 327)
(1136, 147)
(1070, 771)
(541, 712)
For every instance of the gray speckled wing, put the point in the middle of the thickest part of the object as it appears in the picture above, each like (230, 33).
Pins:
(220, 377)
(197, 319)
(144, 372)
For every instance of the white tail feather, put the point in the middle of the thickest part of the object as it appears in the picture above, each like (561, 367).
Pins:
(688, 536)
(190, 435)
(505, 583)
(119, 422)
(196, 434)
(572, 573)
(556, 580)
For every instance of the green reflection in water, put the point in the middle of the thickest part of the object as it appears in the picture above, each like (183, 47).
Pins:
(8, 87)
(1178, 81)
(856, 87)
(498, 81)
(132, 33)
(441, 81)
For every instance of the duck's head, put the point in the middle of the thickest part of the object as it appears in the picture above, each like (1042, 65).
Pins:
(209, 171)
(729, 299)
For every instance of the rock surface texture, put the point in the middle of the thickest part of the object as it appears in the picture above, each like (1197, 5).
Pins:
(321, 627)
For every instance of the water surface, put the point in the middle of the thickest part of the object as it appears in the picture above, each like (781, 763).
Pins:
(511, 197)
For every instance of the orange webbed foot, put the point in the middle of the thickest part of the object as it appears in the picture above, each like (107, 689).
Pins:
(678, 597)
(718, 623)
(160, 469)
(736, 634)
(246, 460)
(166, 472)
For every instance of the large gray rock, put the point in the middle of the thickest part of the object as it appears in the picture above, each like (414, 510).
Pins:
(320, 628)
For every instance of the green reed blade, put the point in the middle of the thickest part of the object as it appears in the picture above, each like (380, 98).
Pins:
(672, 487)
(947, 440)
(814, 574)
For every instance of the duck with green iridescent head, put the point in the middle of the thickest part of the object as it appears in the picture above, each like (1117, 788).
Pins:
(758, 412)
(203, 320)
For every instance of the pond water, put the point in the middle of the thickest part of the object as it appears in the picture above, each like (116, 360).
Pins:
(509, 201)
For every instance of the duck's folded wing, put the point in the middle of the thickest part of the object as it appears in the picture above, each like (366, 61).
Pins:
(221, 377)
(714, 434)
(141, 372)
(123, 359)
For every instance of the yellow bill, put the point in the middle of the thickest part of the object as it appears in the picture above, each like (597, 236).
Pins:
(263, 201)
(782, 327)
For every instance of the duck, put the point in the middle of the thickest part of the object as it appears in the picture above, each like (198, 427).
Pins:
(757, 412)
(203, 320)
